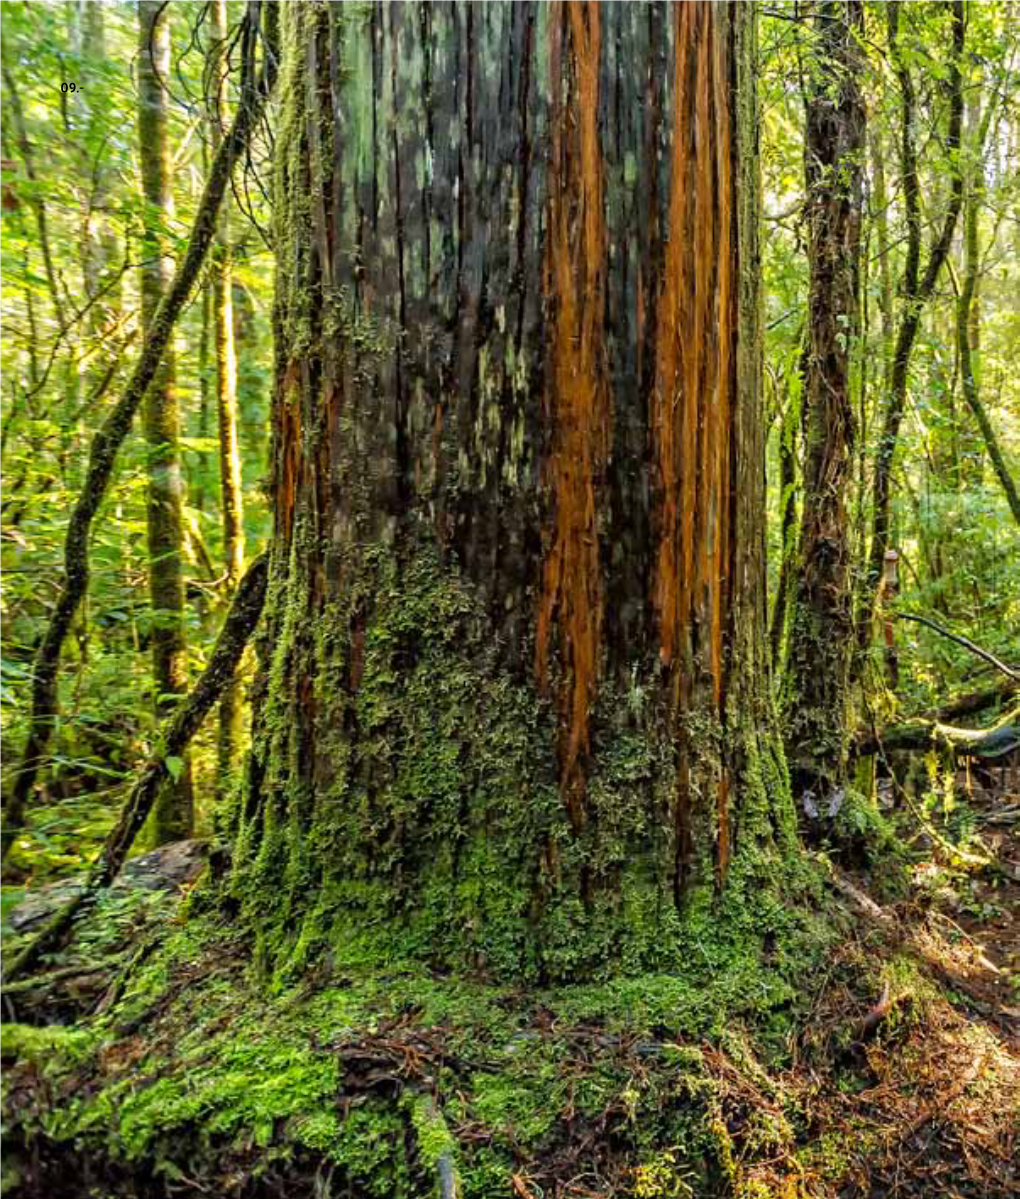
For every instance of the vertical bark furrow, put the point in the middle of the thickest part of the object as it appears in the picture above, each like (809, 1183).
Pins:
(692, 418)
(577, 398)
(521, 718)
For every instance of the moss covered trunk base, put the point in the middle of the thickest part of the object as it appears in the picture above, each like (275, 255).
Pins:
(740, 1079)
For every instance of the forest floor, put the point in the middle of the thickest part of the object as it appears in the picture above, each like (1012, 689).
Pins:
(894, 1074)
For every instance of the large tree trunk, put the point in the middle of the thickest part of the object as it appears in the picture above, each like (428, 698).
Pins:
(821, 629)
(514, 707)
(174, 811)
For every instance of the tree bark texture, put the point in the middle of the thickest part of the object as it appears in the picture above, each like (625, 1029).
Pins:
(514, 705)
(174, 813)
(821, 629)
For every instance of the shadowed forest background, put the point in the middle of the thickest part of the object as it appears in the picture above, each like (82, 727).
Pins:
(511, 589)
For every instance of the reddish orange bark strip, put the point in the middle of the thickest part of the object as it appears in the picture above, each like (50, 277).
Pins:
(692, 404)
(577, 403)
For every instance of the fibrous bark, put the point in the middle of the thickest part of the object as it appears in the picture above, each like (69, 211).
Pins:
(821, 631)
(108, 439)
(175, 811)
(514, 705)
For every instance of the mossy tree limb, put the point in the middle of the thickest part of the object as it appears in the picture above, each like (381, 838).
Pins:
(177, 734)
(111, 434)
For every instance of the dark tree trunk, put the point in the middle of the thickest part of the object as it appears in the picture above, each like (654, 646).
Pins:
(514, 704)
(821, 627)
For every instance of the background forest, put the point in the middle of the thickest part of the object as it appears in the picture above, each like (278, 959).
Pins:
(112, 117)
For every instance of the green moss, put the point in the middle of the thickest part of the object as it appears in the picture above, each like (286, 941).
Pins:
(42, 1046)
(436, 1147)
(198, 1062)
(433, 828)
(661, 1177)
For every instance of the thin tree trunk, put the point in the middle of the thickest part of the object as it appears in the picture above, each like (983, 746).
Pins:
(100, 252)
(821, 624)
(174, 815)
(205, 390)
(788, 505)
(108, 439)
(231, 722)
(881, 221)
(967, 316)
(917, 290)
(199, 487)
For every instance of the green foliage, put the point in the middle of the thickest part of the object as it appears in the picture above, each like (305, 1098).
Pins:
(951, 525)
(59, 383)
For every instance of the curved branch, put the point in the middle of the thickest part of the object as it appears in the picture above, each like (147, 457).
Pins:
(180, 728)
(991, 659)
(114, 429)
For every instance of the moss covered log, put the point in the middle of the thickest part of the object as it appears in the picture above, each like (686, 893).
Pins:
(514, 711)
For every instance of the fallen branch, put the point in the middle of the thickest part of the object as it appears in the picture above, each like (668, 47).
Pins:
(864, 903)
(179, 729)
(55, 976)
(111, 434)
(966, 642)
(886, 1005)
(916, 733)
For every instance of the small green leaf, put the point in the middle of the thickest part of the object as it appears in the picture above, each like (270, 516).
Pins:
(175, 766)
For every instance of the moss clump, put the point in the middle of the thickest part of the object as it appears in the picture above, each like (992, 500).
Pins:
(42, 1045)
